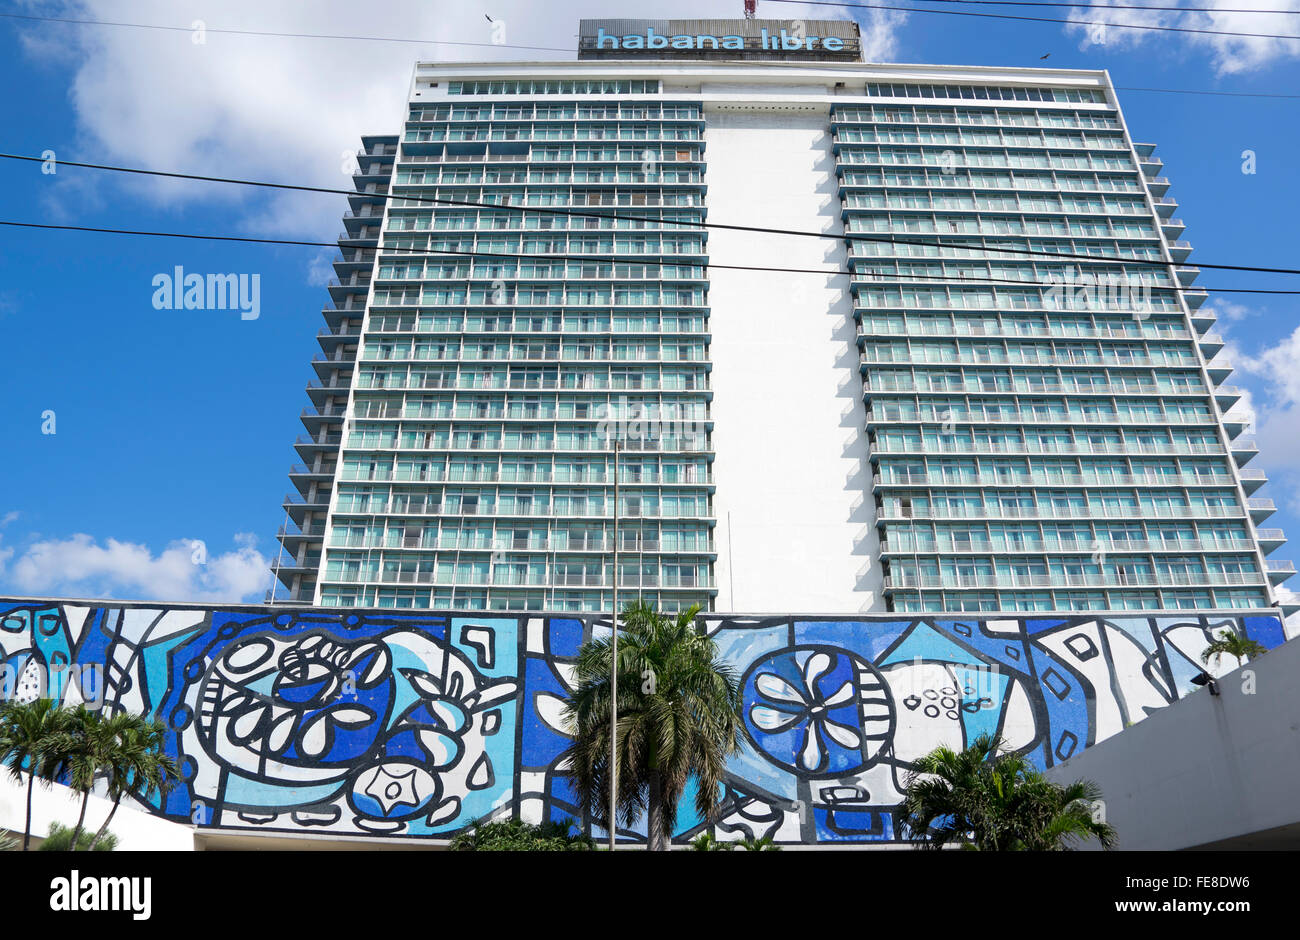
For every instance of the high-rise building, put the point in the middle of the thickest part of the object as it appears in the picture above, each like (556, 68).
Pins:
(869, 338)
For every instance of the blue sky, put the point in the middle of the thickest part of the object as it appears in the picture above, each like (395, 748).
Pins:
(173, 426)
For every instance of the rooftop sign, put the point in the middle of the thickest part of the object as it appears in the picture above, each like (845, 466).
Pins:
(772, 40)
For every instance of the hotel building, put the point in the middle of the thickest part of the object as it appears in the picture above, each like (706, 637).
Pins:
(869, 337)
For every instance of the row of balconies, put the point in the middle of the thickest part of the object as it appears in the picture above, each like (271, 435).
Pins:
(962, 415)
(938, 478)
(587, 479)
(440, 382)
(649, 547)
(693, 352)
(546, 511)
(1122, 448)
(1020, 386)
(869, 327)
(888, 513)
(875, 356)
(670, 445)
(985, 547)
(1163, 579)
(626, 579)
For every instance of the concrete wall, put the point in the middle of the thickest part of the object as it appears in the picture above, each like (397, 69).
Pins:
(1209, 771)
(136, 828)
(795, 522)
(411, 725)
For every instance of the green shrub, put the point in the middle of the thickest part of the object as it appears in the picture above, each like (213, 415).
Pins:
(515, 835)
(706, 842)
(60, 840)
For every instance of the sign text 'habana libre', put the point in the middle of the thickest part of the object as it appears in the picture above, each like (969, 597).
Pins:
(787, 42)
(739, 39)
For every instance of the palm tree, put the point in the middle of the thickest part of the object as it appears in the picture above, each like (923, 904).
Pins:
(138, 766)
(1236, 645)
(128, 748)
(679, 717)
(31, 734)
(984, 799)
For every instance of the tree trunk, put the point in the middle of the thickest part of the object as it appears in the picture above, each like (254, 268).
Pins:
(27, 830)
(81, 821)
(104, 828)
(656, 840)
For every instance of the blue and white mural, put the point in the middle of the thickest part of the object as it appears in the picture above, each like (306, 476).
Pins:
(413, 724)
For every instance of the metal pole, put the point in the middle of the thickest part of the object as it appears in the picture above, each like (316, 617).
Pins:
(613, 678)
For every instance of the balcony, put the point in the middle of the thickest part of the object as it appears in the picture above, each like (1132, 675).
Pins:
(1211, 344)
(1260, 509)
(1179, 250)
(319, 442)
(1251, 480)
(1279, 571)
(322, 474)
(1159, 185)
(299, 502)
(1270, 539)
(296, 534)
(1219, 370)
(1243, 450)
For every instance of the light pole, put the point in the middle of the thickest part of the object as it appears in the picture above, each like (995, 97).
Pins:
(613, 676)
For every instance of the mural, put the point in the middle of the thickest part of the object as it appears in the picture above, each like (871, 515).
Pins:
(414, 724)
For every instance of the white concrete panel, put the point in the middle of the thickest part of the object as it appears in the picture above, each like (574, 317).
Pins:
(1208, 770)
(796, 528)
(136, 830)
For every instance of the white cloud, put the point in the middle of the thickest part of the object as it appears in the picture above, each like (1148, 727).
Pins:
(1229, 311)
(1272, 408)
(78, 566)
(1229, 54)
(285, 109)
(320, 269)
(1287, 596)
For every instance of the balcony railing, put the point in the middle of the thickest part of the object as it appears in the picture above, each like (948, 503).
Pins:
(1060, 512)
(1157, 579)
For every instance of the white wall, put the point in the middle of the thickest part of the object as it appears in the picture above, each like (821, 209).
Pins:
(1207, 769)
(796, 528)
(135, 830)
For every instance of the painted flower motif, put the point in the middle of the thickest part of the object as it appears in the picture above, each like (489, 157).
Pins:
(805, 710)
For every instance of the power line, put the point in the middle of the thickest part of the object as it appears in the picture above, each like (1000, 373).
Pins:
(1185, 91)
(454, 252)
(1079, 5)
(282, 35)
(491, 45)
(1046, 19)
(687, 223)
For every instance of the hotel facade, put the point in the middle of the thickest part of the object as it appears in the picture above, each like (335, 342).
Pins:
(868, 338)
